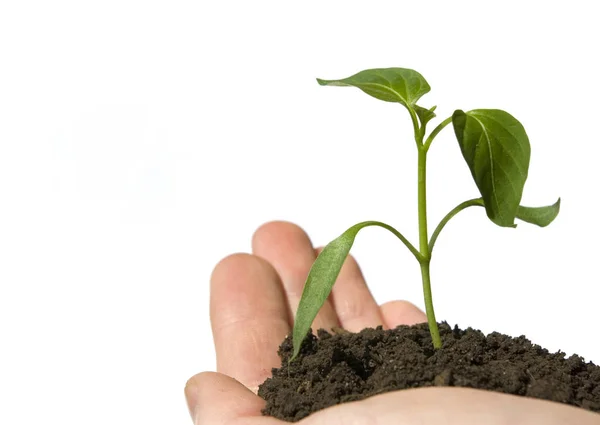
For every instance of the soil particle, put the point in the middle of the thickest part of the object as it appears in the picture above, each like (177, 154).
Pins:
(342, 367)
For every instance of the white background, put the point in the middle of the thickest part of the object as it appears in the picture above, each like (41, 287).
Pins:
(141, 142)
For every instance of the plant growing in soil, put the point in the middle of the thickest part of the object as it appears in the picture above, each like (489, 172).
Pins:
(496, 149)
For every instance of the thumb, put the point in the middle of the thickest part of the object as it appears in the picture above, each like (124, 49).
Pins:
(217, 399)
(453, 406)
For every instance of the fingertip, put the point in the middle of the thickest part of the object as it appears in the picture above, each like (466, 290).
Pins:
(401, 312)
(194, 388)
(236, 265)
(191, 394)
(288, 248)
(352, 300)
(226, 266)
(242, 274)
(278, 232)
(215, 398)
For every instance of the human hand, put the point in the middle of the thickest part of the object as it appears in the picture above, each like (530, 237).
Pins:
(252, 305)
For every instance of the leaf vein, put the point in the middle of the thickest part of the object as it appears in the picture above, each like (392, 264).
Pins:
(491, 157)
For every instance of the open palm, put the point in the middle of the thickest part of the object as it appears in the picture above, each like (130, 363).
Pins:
(252, 305)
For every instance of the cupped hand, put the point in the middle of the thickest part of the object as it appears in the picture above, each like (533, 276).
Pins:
(252, 305)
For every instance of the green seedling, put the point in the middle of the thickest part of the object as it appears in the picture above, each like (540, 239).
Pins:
(496, 149)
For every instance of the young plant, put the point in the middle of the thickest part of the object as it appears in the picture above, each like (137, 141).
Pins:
(496, 149)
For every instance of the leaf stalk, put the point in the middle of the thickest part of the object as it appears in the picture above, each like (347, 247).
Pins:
(416, 127)
(399, 235)
(435, 132)
(452, 213)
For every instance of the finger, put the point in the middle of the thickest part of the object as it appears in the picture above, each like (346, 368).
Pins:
(217, 399)
(453, 406)
(354, 304)
(401, 313)
(249, 318)
(288, 248)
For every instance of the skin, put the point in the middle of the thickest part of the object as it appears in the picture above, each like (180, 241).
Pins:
(253, 300)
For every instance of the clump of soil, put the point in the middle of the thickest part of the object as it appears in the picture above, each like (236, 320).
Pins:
(343, 367)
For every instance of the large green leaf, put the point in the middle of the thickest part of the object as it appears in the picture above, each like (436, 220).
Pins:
(496, 148)
(400, 85)
(323, 275)
(540, 216)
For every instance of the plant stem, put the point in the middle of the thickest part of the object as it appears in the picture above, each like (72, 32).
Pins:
(433, 327)
(422, 200)
(424, 244)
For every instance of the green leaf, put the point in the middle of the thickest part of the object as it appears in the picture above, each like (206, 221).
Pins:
(323, 275)
(540, 216)
(425, 115)
(319, 283)
(400, 85)
(496, 148)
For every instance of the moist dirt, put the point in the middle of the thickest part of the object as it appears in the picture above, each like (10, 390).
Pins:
(340, 367)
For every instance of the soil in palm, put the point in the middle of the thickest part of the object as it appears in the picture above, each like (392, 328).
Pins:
(342, 367)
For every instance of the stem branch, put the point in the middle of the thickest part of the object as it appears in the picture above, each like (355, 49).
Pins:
(435, 132)
(446, 219)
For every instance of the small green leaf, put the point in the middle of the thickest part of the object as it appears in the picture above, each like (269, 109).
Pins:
(400, 85)
(319, 283)
(540, 216)
(323, 274)
(425, 115)
(496, 148)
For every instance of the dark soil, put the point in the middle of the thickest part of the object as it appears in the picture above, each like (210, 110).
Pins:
(342, 367)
